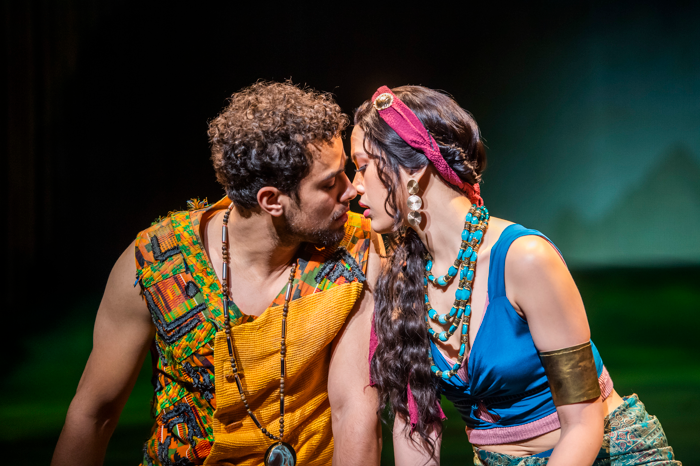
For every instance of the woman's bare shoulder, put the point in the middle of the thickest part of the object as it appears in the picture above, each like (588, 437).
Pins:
(496, 227)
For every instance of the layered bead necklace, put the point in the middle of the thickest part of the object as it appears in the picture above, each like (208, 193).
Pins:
(279, 453)
(475, 224)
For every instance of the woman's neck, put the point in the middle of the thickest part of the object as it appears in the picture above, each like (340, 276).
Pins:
(444, 210)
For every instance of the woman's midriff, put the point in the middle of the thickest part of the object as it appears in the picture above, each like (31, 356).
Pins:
(546, 441)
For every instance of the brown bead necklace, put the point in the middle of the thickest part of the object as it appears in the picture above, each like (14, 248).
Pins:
(279, 453)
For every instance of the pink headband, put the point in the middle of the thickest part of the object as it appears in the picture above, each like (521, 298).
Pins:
(407, 125)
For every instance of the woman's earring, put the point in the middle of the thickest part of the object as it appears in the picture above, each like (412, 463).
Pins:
(414, 204)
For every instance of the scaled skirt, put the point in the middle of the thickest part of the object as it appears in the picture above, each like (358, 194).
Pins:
(632, 437)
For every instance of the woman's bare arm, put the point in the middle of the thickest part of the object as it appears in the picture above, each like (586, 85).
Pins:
(354, 404)
(410, 453)
(540, 287)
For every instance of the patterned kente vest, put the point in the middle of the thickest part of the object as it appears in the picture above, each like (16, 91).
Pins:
(199, 414)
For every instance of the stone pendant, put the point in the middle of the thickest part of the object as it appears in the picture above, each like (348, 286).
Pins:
(280, 454)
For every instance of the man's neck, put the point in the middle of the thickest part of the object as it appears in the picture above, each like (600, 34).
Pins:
(259, 262)
(255, 246)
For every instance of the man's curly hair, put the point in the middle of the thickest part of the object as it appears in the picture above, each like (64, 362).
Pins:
(262, 138)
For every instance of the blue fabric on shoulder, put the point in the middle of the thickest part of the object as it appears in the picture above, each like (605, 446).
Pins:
(504, 373)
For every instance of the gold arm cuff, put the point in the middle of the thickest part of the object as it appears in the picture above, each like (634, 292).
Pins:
(571, 373)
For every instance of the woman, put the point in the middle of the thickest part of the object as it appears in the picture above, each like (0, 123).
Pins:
(503, 334)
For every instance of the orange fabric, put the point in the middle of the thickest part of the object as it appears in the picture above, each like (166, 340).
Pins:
(312, 323)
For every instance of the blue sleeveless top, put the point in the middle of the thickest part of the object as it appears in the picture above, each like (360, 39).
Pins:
(504, 369)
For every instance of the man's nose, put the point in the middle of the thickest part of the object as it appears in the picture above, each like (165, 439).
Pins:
(350, 192)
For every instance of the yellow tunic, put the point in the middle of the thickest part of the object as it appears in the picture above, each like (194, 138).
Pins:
(312, 323)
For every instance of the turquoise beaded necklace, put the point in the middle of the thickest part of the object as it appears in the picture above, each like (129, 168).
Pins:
(475, 224)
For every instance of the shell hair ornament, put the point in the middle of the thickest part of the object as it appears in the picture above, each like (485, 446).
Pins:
(383, 101)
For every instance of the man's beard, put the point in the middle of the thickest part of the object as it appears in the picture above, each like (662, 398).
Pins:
(322, 235)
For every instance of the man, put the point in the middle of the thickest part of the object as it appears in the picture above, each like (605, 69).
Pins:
(264, 382)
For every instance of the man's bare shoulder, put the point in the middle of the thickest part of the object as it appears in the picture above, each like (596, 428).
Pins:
(122, 295)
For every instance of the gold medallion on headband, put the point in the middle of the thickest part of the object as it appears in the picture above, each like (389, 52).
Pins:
(383, 101)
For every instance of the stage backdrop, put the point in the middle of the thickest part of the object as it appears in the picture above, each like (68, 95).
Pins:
(590, 110)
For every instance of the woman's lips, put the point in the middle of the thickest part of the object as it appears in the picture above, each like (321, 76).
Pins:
(367, 212)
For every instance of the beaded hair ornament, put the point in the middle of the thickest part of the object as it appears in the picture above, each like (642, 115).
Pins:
(407, 125)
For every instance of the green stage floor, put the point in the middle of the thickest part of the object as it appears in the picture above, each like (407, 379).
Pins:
(644, 322)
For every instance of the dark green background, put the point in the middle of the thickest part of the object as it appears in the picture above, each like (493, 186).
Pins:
(643, 321)
(590, 110)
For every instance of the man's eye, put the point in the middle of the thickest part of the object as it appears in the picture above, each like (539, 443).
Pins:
(329, 186)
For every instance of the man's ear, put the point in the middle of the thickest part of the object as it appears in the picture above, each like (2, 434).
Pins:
(270, 201)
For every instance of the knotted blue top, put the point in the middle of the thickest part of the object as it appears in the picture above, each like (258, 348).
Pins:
(504, 370)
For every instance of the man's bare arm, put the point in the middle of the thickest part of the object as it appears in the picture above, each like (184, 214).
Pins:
(356, 429)
(121, 339)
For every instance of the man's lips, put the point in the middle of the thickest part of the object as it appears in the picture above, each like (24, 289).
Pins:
(343, 215)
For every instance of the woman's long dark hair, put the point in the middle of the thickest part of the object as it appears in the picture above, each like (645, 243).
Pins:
(399, 317)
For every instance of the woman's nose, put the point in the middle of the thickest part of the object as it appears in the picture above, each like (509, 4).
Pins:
(359, 183)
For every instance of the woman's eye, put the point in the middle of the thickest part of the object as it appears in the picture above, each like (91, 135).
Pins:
(361, 169)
